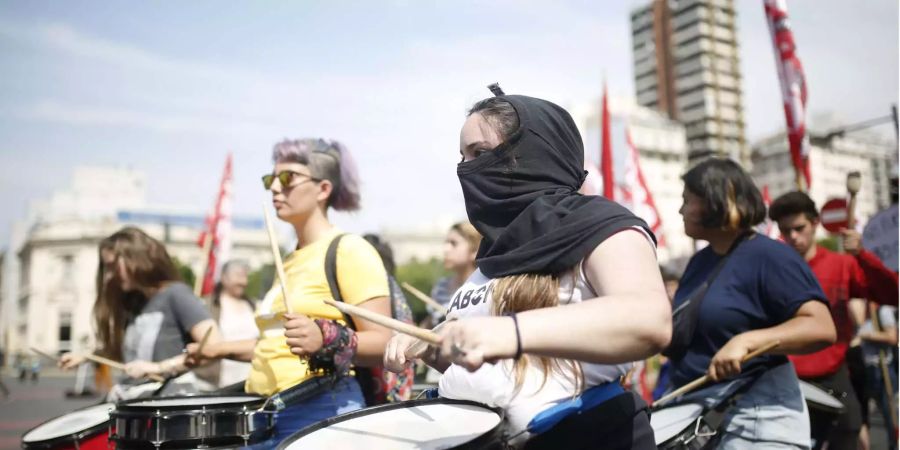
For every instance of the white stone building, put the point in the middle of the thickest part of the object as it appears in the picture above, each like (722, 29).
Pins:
(662, 153)
(831, 159)
(50, 270)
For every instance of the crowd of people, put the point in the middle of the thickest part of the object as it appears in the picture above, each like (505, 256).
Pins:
(551, 297)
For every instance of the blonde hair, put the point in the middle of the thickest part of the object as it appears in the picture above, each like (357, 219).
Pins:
(517, 293)
(469, 233)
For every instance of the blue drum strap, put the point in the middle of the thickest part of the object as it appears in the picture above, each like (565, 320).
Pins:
(588, 399)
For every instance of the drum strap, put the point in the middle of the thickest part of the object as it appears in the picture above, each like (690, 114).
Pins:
(588, 399)
(300, 393)
(714, 416)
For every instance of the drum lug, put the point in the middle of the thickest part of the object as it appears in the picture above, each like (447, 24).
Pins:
(697, 432)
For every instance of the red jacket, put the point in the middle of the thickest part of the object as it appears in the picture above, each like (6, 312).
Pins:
(843, 277)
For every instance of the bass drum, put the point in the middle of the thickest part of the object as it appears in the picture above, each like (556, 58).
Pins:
(414, 424)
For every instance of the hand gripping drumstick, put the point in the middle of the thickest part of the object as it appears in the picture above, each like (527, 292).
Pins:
(276, 254)
(387, 322)
(425, 299)
(100, 360)
(702, 380)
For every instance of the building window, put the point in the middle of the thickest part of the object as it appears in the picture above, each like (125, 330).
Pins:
(65, 330)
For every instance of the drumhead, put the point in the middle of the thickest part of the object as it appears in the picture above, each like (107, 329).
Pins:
(190, 402)
(817, 398)
(415, 424)
(670, 422)
(73, 423)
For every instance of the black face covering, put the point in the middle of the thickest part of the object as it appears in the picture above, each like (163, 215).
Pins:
(523, 197)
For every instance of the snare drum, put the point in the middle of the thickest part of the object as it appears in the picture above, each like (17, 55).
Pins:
(191, 422)
(824, 409)
(415, 424)
(680, 427)
(84, 429)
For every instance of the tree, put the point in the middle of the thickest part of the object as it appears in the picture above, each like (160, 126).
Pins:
(422, 275)
(187, 275)
(259, 281)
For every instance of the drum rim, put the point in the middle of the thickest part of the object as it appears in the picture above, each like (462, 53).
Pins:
(815, 404)
(476, 443)
(132, 405)
(70, 437)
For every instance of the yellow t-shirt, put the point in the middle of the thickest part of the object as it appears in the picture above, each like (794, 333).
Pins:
(361, 277)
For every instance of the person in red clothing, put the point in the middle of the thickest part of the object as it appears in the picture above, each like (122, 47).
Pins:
(856, 273)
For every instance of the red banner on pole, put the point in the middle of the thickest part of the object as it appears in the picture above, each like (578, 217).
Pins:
(793, 88)
(606, 159)
(216, 238)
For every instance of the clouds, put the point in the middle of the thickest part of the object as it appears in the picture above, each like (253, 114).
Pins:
(169, 89)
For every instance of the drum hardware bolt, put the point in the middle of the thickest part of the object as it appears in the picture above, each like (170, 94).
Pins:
(698, 433)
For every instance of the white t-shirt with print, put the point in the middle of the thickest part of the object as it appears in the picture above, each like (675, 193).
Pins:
(494, 384)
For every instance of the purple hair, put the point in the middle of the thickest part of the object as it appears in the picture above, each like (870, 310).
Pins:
(327, 160)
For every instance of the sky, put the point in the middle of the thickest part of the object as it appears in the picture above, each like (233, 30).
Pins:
(168, 88)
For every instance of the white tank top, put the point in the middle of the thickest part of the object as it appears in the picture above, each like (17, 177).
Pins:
(493, 384)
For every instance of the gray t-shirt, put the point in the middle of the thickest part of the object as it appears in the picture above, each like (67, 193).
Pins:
(162, 329)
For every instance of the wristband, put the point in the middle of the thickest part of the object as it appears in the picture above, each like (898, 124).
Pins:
(338, 349)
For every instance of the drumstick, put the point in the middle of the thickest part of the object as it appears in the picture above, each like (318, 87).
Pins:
(425, 299)
(276, 254)
(387, 322)
(702, 380)
(100, 360)
(204, 339)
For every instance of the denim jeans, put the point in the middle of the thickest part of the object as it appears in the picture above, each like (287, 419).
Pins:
(345, 397)
(772, 414)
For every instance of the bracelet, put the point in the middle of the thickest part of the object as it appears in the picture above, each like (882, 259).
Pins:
(518, 336)
(338, 349)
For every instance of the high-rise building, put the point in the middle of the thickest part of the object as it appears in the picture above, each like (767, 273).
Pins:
(686, 65)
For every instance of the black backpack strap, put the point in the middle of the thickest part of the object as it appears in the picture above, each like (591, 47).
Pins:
(331, 274)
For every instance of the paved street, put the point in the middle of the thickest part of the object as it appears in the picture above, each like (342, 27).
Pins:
(32, 403)
(29, 404)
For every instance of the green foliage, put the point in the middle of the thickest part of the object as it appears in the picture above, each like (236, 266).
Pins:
(187, 275)
(259, 281)
(422, 275)
(831, 243)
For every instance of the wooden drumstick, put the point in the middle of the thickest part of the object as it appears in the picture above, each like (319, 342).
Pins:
(702, 380)
(425, 299)
(204, 339)
(276, 254)
(387, 322)
(100, 360)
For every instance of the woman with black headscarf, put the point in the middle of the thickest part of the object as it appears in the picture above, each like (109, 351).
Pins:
(574, 277)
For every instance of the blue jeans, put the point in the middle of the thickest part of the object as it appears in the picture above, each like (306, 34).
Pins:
(345, 397)
(771, 415)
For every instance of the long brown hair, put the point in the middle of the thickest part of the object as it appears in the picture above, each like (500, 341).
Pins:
(517, 293)
(148, 266)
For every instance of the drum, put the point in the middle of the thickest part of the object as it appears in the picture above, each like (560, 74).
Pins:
(414, 424)
(680, 427)
(191, 422)
(84, 429)
(824, 409)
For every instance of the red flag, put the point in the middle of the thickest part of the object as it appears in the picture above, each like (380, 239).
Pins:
(793, 86)
(635, 194)
(218, 229)
(606, 159)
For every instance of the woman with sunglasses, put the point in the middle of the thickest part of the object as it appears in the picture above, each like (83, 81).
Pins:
(304, 358)
(144, 314)
(566, 295)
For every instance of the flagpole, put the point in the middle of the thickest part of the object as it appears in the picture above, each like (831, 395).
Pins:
(204, 264)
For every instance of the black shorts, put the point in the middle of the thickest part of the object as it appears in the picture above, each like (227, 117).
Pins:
(620, 423)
